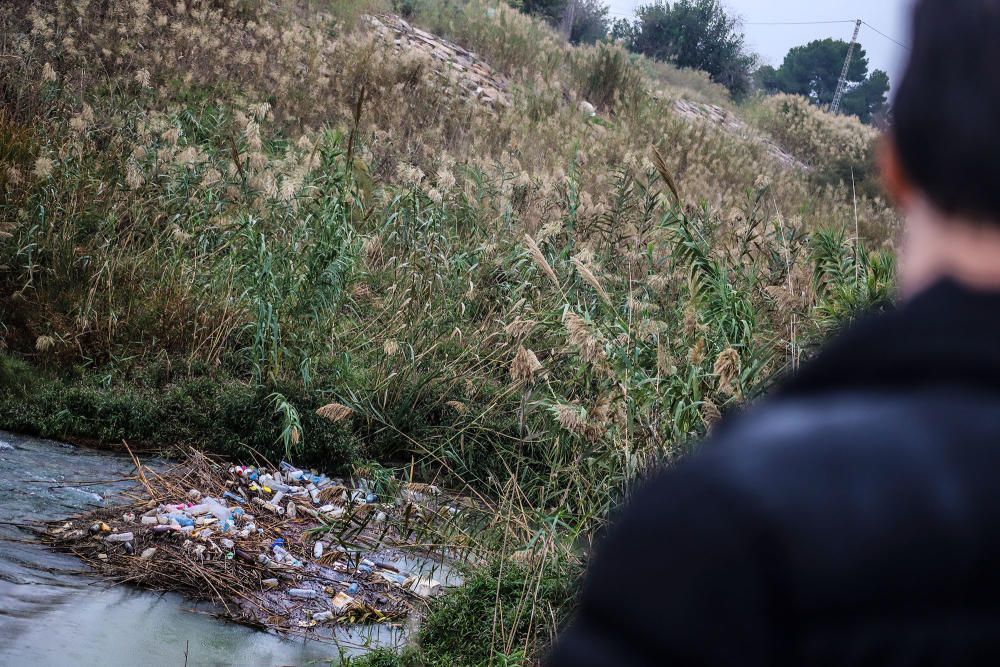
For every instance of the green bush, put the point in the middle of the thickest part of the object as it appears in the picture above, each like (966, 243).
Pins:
(220, 416)
(489, 620)
(465, 627)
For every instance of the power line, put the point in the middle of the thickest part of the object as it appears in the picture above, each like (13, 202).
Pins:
(898, 43)
(797, 22)
(894, 41)
(891, 39)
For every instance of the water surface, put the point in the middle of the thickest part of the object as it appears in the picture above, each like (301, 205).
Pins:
(54, 611)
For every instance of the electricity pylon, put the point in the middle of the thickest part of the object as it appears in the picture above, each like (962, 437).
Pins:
(842, 84)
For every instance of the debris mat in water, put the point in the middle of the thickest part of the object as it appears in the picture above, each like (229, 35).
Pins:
(287, 550)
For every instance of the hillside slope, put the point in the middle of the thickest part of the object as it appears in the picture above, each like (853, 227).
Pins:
(219, 216)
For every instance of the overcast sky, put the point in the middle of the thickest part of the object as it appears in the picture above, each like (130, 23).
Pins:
(773, 42)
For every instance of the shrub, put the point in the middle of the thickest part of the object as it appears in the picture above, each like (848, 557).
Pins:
(834, 145)
(607, 78)
(219, 416)
(506, 613)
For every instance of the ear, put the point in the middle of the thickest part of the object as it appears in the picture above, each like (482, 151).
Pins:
(894, 179)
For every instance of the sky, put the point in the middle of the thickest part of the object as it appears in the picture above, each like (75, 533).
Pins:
(772, 42)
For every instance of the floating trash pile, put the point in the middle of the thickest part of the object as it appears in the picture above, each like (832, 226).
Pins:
(284, 549)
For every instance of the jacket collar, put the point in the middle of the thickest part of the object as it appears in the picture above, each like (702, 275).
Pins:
(947, 335)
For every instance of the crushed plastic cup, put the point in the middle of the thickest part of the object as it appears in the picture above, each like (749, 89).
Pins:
(424, 587)
(341, 601)
(147, 553)
(323, 616)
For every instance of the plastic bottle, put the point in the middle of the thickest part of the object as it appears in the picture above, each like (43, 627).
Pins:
(303, 593)
(283, 556)
(232, 496)
(165, 528)
(120, 537)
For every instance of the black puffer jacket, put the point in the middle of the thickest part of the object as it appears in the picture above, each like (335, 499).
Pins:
(853, 518)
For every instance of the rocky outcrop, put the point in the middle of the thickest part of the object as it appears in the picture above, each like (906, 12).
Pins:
(473, 75)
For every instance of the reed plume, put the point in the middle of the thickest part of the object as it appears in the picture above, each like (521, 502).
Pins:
(536, 254)
(334, 412)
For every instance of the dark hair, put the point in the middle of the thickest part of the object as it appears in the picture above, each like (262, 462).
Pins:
(947, 109)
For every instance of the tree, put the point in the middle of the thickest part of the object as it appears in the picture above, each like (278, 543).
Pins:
(591, 22)
(692, 33)
(814, 70)
(766, 80)
(868, 100)
(548, 10)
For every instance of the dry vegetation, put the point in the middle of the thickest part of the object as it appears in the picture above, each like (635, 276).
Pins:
(523, 299)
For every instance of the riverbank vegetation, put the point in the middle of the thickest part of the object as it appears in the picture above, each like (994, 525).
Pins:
(259, 229)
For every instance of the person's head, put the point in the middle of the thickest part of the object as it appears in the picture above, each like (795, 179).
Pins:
(941, 161)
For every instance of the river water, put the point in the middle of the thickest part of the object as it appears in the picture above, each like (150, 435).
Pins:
(54, 612)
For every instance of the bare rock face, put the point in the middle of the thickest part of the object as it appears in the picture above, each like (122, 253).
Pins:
(453, 63)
